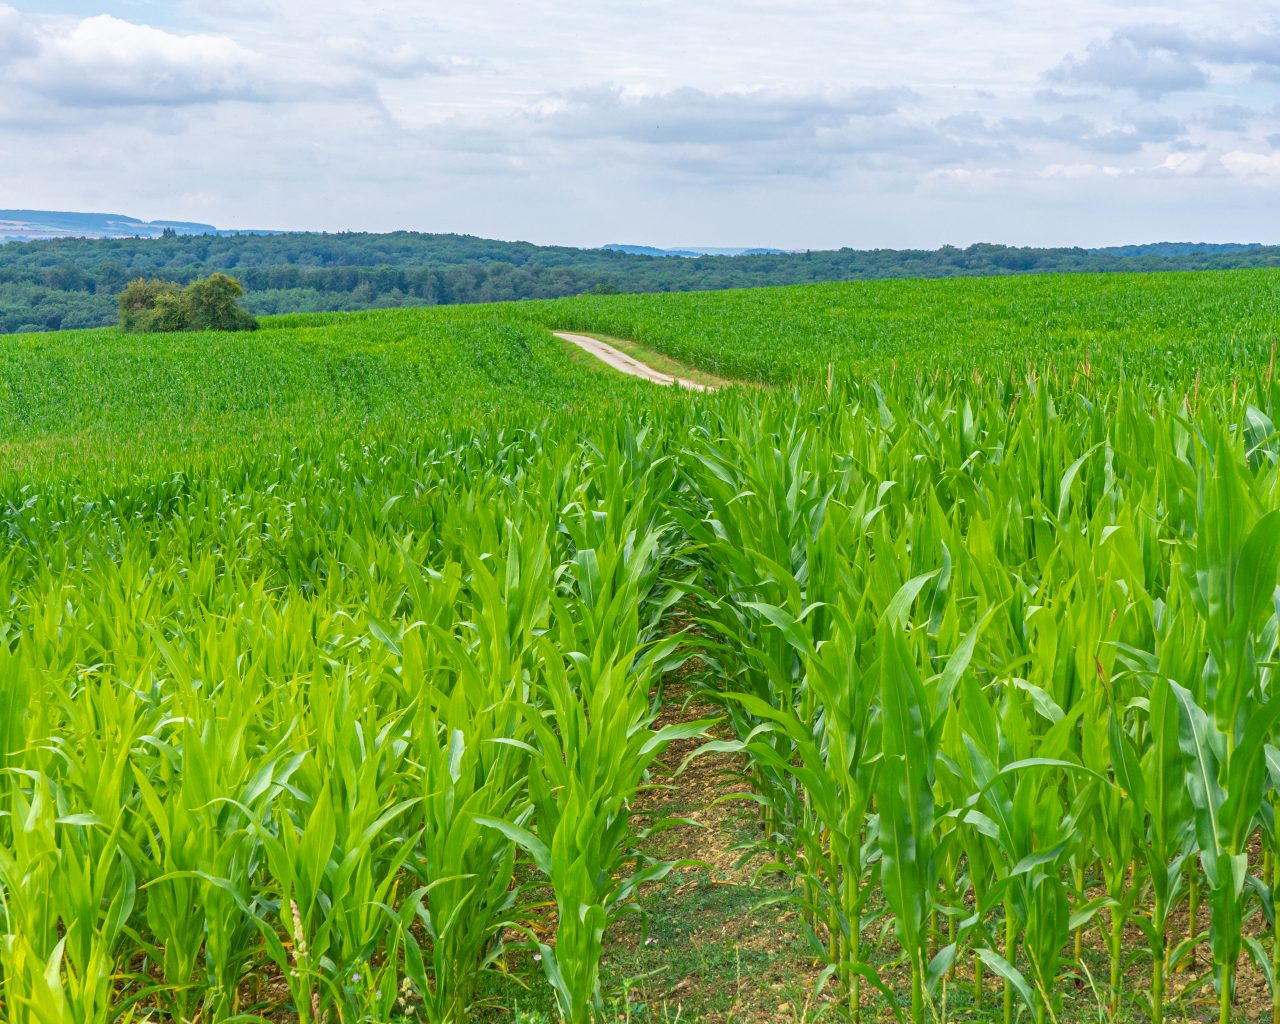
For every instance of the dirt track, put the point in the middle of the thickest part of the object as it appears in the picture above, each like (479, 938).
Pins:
(626, 364)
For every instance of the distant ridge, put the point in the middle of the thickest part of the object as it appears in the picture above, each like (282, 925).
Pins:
(36, 225)
(692, 252)
(1178, 248)
(1145, 249)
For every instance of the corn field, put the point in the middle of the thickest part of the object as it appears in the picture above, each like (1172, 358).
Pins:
(327, 717)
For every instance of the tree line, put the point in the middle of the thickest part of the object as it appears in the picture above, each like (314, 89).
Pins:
(72, 283)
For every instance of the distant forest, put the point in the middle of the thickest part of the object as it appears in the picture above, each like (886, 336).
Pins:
(72, 282)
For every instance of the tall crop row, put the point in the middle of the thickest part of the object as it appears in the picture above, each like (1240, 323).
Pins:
(306, 733)
(1000, 663)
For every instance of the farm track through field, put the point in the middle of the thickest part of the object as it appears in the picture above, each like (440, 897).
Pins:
(626, 364)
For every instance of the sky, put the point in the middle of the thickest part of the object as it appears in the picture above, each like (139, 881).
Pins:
(789, 123)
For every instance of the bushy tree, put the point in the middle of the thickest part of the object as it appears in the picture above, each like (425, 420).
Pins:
(212, 305)
(139, 300)
(169, 313)
(209, 304)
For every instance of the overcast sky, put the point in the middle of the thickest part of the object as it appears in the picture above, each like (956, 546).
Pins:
(792, 123)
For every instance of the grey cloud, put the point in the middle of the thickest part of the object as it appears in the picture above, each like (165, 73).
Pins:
(255, 10)
(968, 123)
(1128, 134)
(17, 39)
(1255, 48)
(978, 139)
(403, 61)
(770, 146)
(744, 137)
(1123, 141)
(1232, 118)
(1153, 60)
(1068, 128)
(692, 116)
(1154, 126)
(1057, 96)
(1131, 60)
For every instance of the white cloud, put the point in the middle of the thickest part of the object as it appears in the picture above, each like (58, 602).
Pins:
(1081, 171)
(1245, 164)
(1185, 163)
(105, 62)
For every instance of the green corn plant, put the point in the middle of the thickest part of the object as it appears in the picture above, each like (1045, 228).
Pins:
(69, 890)
(754, 523)
(835, 762)
(1223, 740)
(332, 850)
(594, 746)
(205, 783)
(1154, 787)
(1020, 807)
(914, 712)
(905, 801)
(1272, 880)
(591, 724)
(470, 748)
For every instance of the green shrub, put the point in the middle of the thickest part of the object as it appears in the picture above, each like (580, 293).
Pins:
(139, 300)
(209, 304)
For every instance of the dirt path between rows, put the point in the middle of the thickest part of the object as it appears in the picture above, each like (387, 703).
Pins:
(626, 364)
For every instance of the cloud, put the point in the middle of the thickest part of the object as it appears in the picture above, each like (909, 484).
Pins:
(403, 61)
(1136, 131)
(1188, 164)
(1127, 134)
(1155, 60)
(739, 136)
(1227, 118)
(17, 39)
(1128, 60)
(1056, 96)
(1245, 164)
(689, 116)
(103, 61)
(1081, 171)
(258, 10)
(1069, 128)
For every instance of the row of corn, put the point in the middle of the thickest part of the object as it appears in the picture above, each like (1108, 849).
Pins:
(1000, 663)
